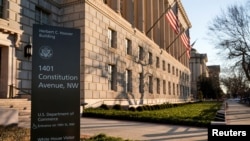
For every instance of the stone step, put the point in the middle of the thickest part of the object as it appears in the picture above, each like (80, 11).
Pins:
(19, 107)
(24, 118)
(23, 107)
(24, 113)
(19, 104)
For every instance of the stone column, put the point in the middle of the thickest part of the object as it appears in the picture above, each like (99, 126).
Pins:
(149, 18)
(156, 17)
(141, 15)
(162, 9)
(169, 33)
(129, 9)
(116, 6)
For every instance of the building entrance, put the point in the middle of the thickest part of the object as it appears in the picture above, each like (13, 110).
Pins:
(4, 72)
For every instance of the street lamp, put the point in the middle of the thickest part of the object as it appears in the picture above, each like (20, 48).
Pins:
(27, 50)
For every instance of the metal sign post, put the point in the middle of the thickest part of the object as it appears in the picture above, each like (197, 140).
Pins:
(55, 99)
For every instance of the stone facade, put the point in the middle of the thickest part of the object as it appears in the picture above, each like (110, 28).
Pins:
(214, 74)
(198, 67)
(126, 56)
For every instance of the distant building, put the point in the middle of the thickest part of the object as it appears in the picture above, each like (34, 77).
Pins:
(198, 67)
(214, 71)
(126, 58)
(214, 74)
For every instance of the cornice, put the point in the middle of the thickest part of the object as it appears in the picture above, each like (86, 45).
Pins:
(4, 28)
(110, 14)
(184, 14)
(120, 21)
(62, 4)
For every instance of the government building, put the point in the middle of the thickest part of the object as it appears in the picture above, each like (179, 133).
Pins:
(132, 52)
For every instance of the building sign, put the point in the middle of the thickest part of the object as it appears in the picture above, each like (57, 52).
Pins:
(55, 100)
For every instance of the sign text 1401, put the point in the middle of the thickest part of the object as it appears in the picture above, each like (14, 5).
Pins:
(46, 68)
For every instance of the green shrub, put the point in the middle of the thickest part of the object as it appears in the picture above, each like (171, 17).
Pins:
(104, 106)
(200, 95)
(147, 107)
(139, 108)
(195, 114)
(117, 107)
(132, 109)
(152, 107)
(104, 137)
(144, 107)
(157, 107)
(165, 105)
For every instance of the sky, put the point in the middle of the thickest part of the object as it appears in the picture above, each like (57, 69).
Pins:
(200, 14)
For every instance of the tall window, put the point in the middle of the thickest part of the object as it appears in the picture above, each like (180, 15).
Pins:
(140, 53)
(180, 75)
(150, 58)
(150, 84)
(177, 88)
(128, 46)
(0, 62)
(111, 38)
(42, 17)
(181, 90)
(163, 65)
(173, 70)
(157, 62)
(141, 83)
(158, 85)
(112, 77)
(174, 88)
(169, 69)
(1, 8)
(128, 79)
(164, 86)
(169, 88)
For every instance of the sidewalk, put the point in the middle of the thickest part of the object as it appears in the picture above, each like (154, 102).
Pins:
(139, 131)
(237, 114)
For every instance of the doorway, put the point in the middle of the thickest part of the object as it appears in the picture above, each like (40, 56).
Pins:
(4, 72)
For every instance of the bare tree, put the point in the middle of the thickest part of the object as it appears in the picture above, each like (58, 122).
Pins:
(230, 32)
(236, 84)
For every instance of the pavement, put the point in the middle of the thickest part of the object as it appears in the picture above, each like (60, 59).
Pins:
(140, 131)
(236, 114)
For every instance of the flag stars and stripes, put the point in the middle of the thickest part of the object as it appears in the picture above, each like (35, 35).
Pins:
(172, 17)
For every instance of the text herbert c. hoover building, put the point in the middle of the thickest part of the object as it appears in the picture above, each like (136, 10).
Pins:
(132, 51)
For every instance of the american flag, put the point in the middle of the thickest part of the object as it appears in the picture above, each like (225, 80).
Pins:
(172, 17)
(186, 41)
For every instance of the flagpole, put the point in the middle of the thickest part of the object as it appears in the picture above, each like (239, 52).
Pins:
(193, 43)
(175, 40)
(186, 51)
(182, 55)
(169, 7)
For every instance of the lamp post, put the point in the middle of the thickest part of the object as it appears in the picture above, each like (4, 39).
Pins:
(28, 49)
